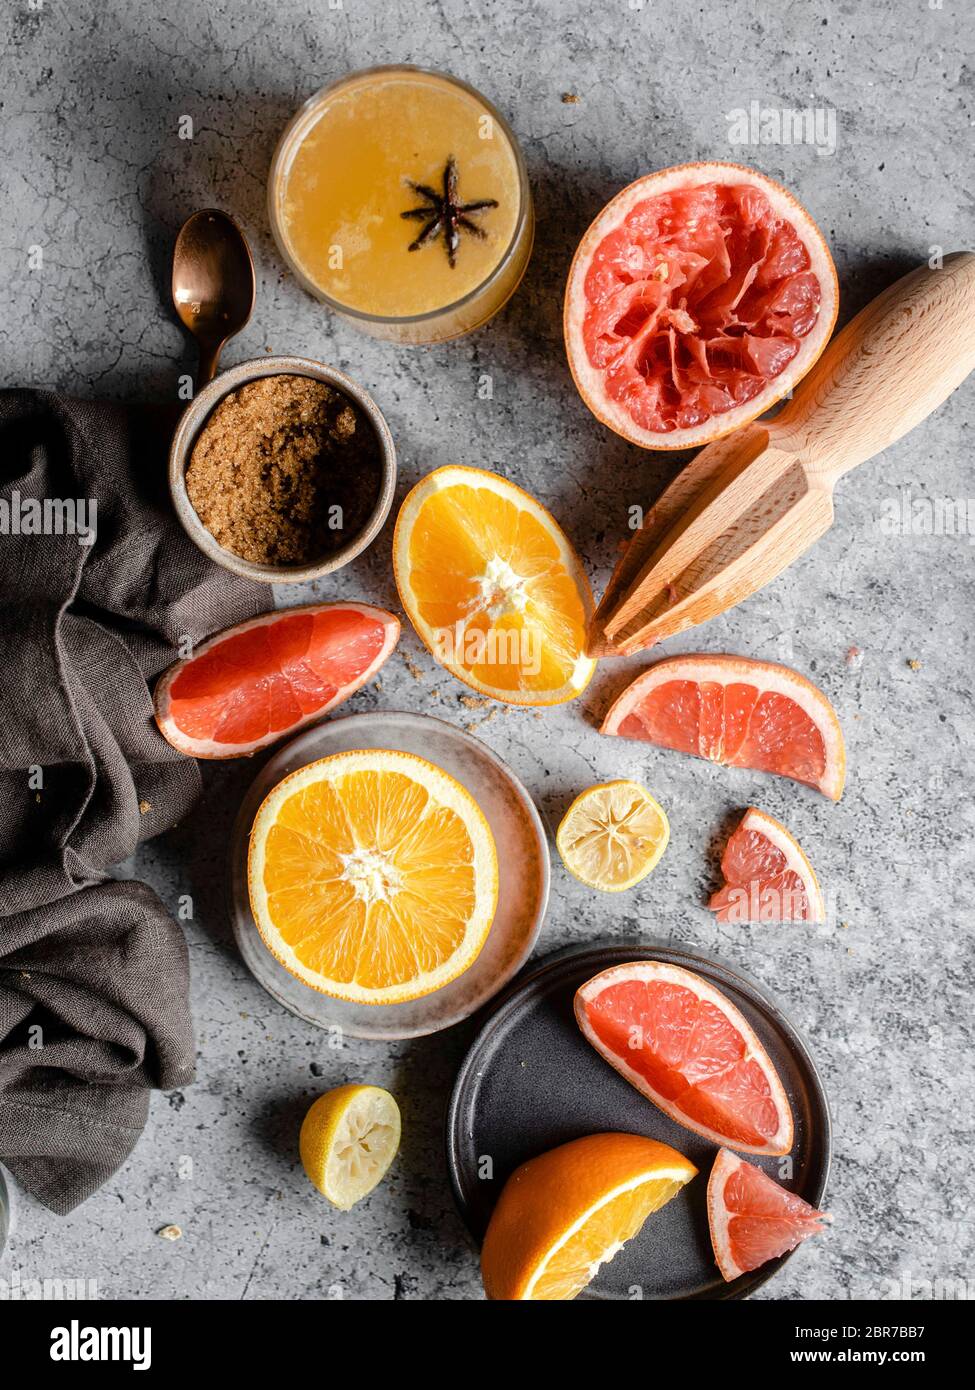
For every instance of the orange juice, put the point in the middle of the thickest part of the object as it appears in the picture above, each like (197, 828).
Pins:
(399, 197)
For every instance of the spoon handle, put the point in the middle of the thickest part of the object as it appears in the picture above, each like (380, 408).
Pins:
(209, 358)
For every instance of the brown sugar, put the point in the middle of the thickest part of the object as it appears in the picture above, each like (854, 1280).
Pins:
(285, 471)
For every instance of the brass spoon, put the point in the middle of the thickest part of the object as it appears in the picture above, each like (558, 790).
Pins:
(213, 283)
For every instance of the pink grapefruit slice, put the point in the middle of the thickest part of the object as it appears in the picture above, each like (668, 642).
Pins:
(255, 683)
(739, 712)
(767, 878)
(698, 298)
(685, 1046)
(752, 1218)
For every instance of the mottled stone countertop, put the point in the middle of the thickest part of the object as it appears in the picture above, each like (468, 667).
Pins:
(93, 172)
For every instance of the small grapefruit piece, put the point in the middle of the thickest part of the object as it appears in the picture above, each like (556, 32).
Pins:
(254, 683)
(493, 587)
(372, 876)
(686, 1047)
(739, 712)
(698, 298)
(613, 835)
(767, 878)
(348, 1139)
(562, 1215)
(752, 1218)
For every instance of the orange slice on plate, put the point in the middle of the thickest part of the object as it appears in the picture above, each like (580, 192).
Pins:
(372, 876)
(767, 878)
(686, 1047)
(752, 1218)
(562, 1215)
(493, 587)
(739, 712)
(264, 679)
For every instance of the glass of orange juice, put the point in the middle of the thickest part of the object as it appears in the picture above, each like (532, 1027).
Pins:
(400, 198)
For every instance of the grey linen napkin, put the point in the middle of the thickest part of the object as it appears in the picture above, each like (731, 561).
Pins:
(94, 976)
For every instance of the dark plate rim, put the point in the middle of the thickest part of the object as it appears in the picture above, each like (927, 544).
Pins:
(619, 953)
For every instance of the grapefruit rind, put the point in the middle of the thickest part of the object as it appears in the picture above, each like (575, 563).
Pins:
(777, 1144)
(767, 676)
(588, 379)
(447, 792)
(212, 748)
(796, 860)
(452, 475)
(726, 1164)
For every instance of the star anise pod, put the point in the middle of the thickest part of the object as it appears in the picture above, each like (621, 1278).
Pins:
(444, 214)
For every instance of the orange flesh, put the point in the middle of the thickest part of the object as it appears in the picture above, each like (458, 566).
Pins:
(459, 537)
(734, 724)
(267, 679)
(696, 302)
(764, 1220)
(335, 931)
(759, 887)
(690, 1054)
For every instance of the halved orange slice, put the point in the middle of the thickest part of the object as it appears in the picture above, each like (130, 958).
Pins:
(739, 712)
(685, 1046)
(562, 1215)
(767, 878)
(372, 876)
(493, 587)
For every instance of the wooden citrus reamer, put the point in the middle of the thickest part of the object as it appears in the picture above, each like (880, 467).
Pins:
(750, 504)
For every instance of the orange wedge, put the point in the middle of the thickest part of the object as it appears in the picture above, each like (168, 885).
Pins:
(372, 876)
(562, 1215)
(493, 587)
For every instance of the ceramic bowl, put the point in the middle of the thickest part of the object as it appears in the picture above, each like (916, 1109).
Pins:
(196, 416)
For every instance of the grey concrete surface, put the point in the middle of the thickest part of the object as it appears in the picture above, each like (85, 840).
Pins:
(93, 172)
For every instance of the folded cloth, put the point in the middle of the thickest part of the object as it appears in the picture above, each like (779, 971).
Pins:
(100, 590)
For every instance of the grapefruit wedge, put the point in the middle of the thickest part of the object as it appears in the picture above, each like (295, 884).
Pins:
(739, 712)
(698, 298)
(686, 1047)
(752, 1218)
(266, 678)
(767, 878)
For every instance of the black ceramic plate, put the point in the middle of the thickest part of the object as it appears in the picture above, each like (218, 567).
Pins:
(531, 1081)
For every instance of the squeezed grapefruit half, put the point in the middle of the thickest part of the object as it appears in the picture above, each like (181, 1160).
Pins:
(698, 298)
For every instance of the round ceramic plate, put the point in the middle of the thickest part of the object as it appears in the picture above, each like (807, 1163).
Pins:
(531, 1081)
(523, 866)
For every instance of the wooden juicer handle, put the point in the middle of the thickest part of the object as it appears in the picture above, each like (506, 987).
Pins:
(750, 504)
(888, 369)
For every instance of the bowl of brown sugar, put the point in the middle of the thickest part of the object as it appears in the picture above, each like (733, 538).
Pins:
(282, 469)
